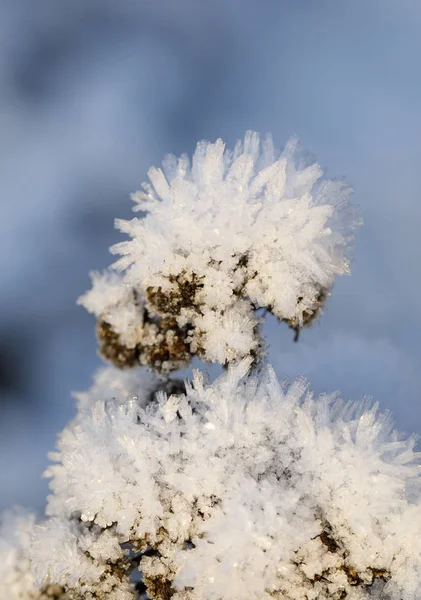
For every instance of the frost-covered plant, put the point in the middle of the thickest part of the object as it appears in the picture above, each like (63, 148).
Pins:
(240, 489)
(222, 237)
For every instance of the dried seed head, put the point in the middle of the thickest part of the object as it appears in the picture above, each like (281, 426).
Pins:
(163, 346)
(112, 349)
(182, 294)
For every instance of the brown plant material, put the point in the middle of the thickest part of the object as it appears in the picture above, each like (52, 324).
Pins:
(159, 588)
(309, 316)
(163, 347)
(353, 576)
(167, 349)
(112, 349)
(183, 294)
(166, 346)
(326, 537)
(380, 574)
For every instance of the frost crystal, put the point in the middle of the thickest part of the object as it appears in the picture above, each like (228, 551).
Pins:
(244, 488)
(115, 301)
(16, 582)
(232, 232)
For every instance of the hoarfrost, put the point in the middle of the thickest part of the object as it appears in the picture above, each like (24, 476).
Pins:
(245, 488)
(16, 581)
(232, 232)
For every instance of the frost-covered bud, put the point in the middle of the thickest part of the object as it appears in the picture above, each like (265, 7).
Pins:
(128, 333)
(252, 226)
(116, 303)
(243, 488)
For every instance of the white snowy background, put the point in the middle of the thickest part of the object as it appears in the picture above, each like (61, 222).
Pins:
(93, 92)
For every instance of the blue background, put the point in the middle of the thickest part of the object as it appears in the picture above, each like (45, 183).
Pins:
(94, 92)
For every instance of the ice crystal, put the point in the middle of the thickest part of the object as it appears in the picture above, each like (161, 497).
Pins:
(86, 561)
(16, 581)
(117, 304)
(244, 488)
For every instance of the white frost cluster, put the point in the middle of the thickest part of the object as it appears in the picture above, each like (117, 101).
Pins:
(86, 561)
(16, 580)
(249, 489)
(231, 232)
(243, 489)
(115, 302)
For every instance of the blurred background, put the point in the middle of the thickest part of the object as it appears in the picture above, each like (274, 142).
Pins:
(93, 92)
